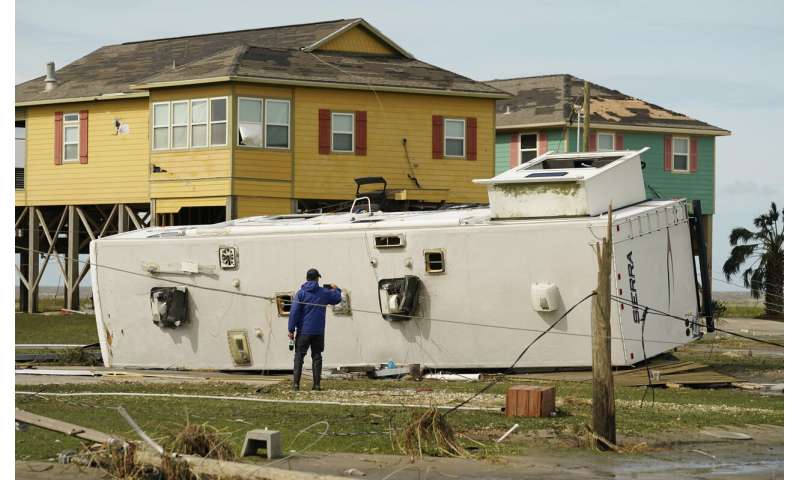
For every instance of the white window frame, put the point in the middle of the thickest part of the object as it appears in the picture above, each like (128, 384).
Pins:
(463, 139)
(216, 122)
(521, 150)
(260, 125)
(288, 125)
(192, 123)
(172, 125)
(70, 124)
(606, 134)
(168, 126)
(352, 132)
(688, 155)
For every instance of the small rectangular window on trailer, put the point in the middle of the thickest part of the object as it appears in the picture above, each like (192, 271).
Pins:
(390, 241)
(434, 261)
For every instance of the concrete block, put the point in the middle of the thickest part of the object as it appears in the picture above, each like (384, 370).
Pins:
(530, 401)
(270, 440)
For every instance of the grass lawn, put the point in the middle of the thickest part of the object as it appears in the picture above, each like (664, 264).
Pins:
(675, 409)
(744, 310)
(38, 328)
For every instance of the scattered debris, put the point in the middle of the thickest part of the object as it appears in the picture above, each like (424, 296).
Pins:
(354, 472)
(510, 430)
(428, 433)
(203, 440)
(454, 376)
(391, 372)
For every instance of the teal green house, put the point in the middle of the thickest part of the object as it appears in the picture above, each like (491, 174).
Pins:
(544, 112)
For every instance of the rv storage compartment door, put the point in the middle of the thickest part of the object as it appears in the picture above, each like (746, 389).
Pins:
(168, 306)
(398, 297)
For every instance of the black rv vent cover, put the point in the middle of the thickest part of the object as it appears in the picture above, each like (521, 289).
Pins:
(169, 306)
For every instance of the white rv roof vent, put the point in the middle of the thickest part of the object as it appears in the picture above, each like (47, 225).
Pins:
(567, 184)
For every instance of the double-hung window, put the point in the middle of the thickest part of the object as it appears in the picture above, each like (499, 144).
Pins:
(161, 126)
(605, 142)
(71, 137)
(180, 124)
(251, 130)
(278, 115)
(680, 154)
(193, 123)
(528, 147)
(199, 123)
(219, 121)
(342, 132)
(454, 137)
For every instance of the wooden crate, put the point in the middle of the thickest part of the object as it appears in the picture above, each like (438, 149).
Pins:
(530, 401)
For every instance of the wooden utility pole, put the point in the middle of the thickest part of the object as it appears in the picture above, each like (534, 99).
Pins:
(604, 422)
(586, 113)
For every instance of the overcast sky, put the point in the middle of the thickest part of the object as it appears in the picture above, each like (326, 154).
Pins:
(717, 61)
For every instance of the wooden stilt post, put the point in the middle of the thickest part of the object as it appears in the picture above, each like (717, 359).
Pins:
(604, 421)
(123, 221)
(33, 260)
(23, 289)
(73, 267)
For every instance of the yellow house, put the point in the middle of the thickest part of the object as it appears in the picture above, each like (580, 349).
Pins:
(208, 128)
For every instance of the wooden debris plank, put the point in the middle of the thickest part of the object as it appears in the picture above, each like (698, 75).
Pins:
(62, 427)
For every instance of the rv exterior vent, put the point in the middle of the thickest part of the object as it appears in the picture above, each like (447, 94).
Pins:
(240, 347)
(434, 261)
(284, 303)
(398, 297)
(343, 307)
(168, 306)
(545, 297)
(228, 258)
(390, 241)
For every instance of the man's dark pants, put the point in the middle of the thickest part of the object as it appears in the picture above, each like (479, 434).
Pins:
(301, 346)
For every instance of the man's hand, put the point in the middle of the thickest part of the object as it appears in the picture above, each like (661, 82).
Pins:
(333, 286)
(291, 335)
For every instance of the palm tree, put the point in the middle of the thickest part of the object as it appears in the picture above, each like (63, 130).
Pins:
(764, 247)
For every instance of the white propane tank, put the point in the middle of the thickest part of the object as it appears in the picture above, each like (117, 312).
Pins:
(545, 297)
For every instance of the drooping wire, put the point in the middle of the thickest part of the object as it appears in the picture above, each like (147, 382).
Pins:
(522, 354)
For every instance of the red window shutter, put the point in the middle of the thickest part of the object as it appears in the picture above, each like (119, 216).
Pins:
(84, 136)
(324, 132)
(619, 142)
(667, 153)
(59, 138)
(693, 154)
(514, 160)
(438, 136)
(361, 133)
(592, 142)
(472, 138)
(542, 146)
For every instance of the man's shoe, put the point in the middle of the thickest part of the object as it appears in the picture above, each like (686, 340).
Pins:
(316, 387)
(295, 387)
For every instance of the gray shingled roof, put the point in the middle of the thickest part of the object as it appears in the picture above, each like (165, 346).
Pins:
(549, 99)
(273, 52)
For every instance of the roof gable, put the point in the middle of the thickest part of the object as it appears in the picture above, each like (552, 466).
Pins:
(358, 40)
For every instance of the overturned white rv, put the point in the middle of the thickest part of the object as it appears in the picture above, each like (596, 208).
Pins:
(453, 288)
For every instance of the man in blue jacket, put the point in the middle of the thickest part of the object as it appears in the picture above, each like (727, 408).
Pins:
(307, 324)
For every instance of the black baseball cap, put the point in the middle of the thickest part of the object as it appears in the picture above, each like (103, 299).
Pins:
(313, 274)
